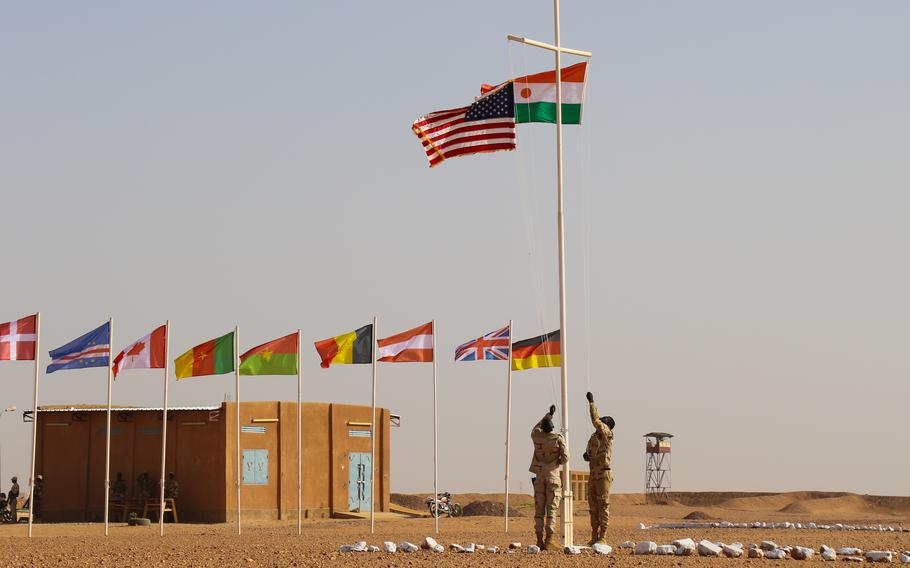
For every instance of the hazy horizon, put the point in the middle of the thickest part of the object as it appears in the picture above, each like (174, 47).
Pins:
(736, 205)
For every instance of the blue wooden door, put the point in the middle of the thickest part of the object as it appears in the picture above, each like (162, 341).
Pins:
(359, 481)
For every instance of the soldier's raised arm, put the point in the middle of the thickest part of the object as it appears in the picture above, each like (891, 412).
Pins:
(601, 428)
(548, 416)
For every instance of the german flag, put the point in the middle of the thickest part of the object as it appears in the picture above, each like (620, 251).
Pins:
(540, 351)
(348, 348)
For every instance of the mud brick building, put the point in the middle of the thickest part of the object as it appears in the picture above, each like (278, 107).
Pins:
(201, 452)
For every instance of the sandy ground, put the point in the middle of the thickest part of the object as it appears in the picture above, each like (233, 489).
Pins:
(277, 544)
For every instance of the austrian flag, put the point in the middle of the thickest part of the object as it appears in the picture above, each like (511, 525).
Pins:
(412, 346)
(17, 339)
(145, 353)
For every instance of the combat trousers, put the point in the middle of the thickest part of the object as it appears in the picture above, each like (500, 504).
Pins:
(599, 499)
(547, 497)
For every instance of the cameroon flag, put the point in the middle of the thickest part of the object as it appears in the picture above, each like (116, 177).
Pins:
(215, 357)
(349, 348)
(540, 351)
(278, 357)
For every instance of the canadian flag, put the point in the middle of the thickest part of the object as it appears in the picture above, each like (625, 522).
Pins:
(145, 353)
(17, 339)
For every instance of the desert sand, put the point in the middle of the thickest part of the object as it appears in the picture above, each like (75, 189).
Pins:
(277, 544)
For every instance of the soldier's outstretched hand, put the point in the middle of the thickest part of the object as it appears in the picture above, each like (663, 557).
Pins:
(552, 409)
(590, 397)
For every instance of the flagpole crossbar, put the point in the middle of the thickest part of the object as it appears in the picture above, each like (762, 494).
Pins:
(549, 46)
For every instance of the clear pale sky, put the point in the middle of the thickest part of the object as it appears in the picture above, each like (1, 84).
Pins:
(737, 205)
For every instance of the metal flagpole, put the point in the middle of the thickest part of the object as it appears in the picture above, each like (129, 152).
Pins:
(299, 444)
(508, 421)
(435, 434)
(237, 404)
(107, 457)
(568, 526)
(567, 521)
(373, 431)
(167, 340)
(31, 499)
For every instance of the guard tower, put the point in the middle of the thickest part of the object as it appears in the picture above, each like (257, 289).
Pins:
(657, 467)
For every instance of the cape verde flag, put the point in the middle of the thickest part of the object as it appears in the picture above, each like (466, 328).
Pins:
(493, 346)
(91, 350)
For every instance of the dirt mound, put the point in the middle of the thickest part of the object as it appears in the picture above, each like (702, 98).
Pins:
(487, 509)
(416, 502)
(698, 516)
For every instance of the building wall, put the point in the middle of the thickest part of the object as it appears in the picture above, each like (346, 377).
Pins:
(71, 456)
(201, 452)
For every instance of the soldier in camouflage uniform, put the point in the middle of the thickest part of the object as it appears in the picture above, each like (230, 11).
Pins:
(549, 453)
(171, 487)
(599, 456)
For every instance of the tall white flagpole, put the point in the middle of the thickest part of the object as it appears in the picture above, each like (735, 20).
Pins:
(107, 457)
(373, 430)
(299, 443)
(31, 499)
(237, 404)
(167, 341)
(508, 421)
(435, 435)
(567, 520)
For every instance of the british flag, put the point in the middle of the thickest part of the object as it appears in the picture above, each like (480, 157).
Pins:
(493, 346)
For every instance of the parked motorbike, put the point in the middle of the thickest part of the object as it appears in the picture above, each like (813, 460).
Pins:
(443, 505)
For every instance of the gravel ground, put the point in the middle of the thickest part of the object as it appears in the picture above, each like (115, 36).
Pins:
(277, 544)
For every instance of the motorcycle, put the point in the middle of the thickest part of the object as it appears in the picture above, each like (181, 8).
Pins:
(443, 505)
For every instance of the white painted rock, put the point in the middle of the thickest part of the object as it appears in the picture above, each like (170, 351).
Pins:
(492, 549)
(685, 547)
(515, 545)
(731, 551)
(360, 546)
(880, 556)
(438, 548)
(853, 559)
(572, 550)
(389, 546)
(756, 553)
(665, 550)
(533, 549)
(456, 547)
(828, 553)
(601, 548)
(802, 553)
(769, 545)
(905, 558)
(471, 548)
(642, 526)
(850, 551)
(708, 548)
(372, 548)
(429, 543)
(480, 547)
(776, 554)
(627, 544)
(408, 547)
(646, 547)
(812, 526)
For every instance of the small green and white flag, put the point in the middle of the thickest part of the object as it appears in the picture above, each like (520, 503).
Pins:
(535, 95)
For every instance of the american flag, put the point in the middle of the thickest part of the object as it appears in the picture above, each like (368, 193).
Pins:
(488, 125)
(493, 346)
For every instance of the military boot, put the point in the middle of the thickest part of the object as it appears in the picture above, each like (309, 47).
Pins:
(548, 541)
(601, 536)
(540, 543)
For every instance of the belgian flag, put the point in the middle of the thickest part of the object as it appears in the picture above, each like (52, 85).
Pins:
(348, 348)
(540, 351)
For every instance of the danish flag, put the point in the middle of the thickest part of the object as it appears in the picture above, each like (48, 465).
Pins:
(17, 339)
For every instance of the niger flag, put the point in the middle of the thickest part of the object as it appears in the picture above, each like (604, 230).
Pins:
(540, 351)
(348, 348)
(214, 357)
